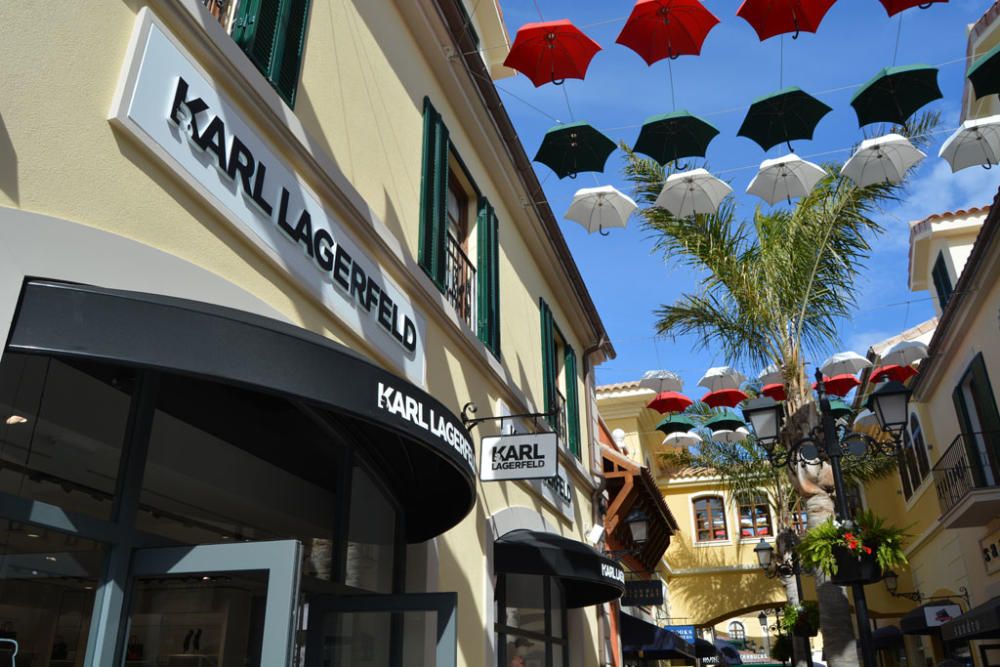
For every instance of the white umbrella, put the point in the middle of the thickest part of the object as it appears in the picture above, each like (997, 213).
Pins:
(976, 142)
(844, 363)
(771, 375)
(682, 439)
(785, 177)
(881, 160)
(721, 377)
(904, 353)
(692, 192)
(600, 208)
(729, 437)
(866, 422)
(660, 381)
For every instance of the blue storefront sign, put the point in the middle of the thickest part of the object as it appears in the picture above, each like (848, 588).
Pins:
(685, 631)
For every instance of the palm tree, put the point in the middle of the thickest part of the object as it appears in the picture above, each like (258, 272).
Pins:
(774, 288)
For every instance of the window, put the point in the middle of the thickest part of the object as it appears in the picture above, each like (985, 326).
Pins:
(531, 621)
(942, 280)
(914, 465)
(755, 518)
(710, 519)
(799, 517)
(737, 632)
(559, 375)
(447, 195)
(976, 408)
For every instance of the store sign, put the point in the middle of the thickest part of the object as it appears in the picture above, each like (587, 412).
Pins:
(639, 593)
(686, 632)
(558, 491)
(173, 108)
(990, 546)
(394, 401)
(939, 614)
(613, 572)
(521, 456)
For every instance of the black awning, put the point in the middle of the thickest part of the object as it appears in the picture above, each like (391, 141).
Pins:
(422, 449)
(704, 648)
(729, 652)
(587, 576)
(928, 618)
(888, 637)
(647, 641)
(982, 622)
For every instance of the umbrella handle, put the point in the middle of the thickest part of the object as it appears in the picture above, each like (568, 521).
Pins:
(600, 230)
(558, 82)
(679, 166)
(789, 144)
(925, 5)
(988, 165)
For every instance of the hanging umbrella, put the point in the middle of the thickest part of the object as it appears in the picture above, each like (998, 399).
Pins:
(839, 385)
(551, 52)
(777, 17)
(782, 117)
(661, 381)
(866, 422)
(682, 439)
(905, 352)
(670, 401)
(725, 419)
(691, 193)
(893, 373)
(721, 377)
(893, 7)
(985, 73)
(895, 94)
(771, 374)
(730, 436)
(840, 409)
(844, 362)
(670, 137)
(774, 390)
(976, 142)
(882, 159)
(728, 398)
(574, 148)
(599, 208)
(675, 424)
(659, 29)
(785, 177)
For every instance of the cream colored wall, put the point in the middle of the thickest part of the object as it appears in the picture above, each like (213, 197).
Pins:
(956, 252)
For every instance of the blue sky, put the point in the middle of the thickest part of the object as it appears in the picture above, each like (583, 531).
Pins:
(856, 39)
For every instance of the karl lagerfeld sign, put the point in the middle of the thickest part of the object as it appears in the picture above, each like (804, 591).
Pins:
(175, 110)
(521, 456)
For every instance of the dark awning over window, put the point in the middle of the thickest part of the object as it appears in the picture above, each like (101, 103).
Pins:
(982, 622)
(915, 622)
(422, 449)
(587, 576)
(888, 637)
(647, 641)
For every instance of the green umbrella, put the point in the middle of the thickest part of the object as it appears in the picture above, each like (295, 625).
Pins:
(840, 409)
(725, 420)
(780, 117)
(985, 73)
(895, 93)
(672, 136)
(574, 148)
(675, 423)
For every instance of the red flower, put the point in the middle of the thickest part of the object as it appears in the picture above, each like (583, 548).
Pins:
(868, 550)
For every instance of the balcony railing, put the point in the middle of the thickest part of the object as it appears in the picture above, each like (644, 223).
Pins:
(969, 463)
(460, 282)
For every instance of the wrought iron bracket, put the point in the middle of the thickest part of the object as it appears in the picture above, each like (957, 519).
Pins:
(470, 422)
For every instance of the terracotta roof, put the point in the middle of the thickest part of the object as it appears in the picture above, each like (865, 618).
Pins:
(618, 386)
(918, 227)
(691, 472)
(910, 334)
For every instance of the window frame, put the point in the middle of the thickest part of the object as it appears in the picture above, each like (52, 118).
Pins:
(502, 630)
(758, 501)
(243, 29)
(725, 521)
(737, 628)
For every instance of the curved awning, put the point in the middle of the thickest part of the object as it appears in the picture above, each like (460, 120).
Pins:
(888, 637)
(588, 577)
(647, 641)
(423, 451)
(729, 652)
(980, 622)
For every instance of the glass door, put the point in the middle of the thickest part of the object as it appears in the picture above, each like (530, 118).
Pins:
(215, 605)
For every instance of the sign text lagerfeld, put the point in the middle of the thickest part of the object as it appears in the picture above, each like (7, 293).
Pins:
(520, 456)
(395, 402)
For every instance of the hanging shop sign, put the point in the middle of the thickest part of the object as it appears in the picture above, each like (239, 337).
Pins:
(520, 456)
(175, 110)
(990, 546)
(939, 614)
(685, 632)
(640, 593)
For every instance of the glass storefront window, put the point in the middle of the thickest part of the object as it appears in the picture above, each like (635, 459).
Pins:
(531, 623)
(371, 541)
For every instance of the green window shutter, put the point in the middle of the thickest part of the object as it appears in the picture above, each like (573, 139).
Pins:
(572, 404)
(548, 361)
(433, 196)
(488, 277)
(984, 407)
(287, 74)
(272, 34)
(942, 281)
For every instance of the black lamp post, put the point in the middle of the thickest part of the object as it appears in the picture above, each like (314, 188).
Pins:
(762, 617)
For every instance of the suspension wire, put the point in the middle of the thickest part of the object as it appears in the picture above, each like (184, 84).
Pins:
(781, 62)
(538, 9)
(673, 96)
(899, 31)
(569, 108)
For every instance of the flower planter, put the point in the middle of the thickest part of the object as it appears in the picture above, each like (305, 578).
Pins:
(803, 628)
(855, 569)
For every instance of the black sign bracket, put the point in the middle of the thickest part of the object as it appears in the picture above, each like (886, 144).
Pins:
(470, 408)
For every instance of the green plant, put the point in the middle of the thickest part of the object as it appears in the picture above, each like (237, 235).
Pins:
(781, 649)
(868, 534)
(808, 612)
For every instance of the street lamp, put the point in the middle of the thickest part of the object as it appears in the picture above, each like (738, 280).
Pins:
(765, 416)
(764, 552)
(890, 404)
(762, 617)
(891, 580)
(638, 525)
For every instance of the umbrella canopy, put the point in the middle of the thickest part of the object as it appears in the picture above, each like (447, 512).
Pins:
(844, 362)
(771, 374)
(895, 94)
(985, 73)
(881, 160)
(670, 401)
(839, 385)
(976, 142)
(675, 424)
(725, 420)
(728, 398)
(574, 148)
(893, 373)
(840, 409)
(721, 377)
(691, 193)
(730, 436)
(670, 137)
(782, 117)
(785, 177)
(893, 7)
(597, 209)
(775, 390)
(777, 17)
(866, 422)
(551, 51)
(659, 29)
(905, 352)
(661, 381)
(682, 439)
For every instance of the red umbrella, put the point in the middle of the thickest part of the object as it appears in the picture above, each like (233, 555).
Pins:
(659, 29)
(776, 17)
(839, 385)
(551, 51)
(775, 391)
(893, 7)
(729, 398)
(893, 372)
(669, 401)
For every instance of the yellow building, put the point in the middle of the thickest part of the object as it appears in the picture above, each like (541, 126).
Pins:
(256, 258)
(984, 35)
